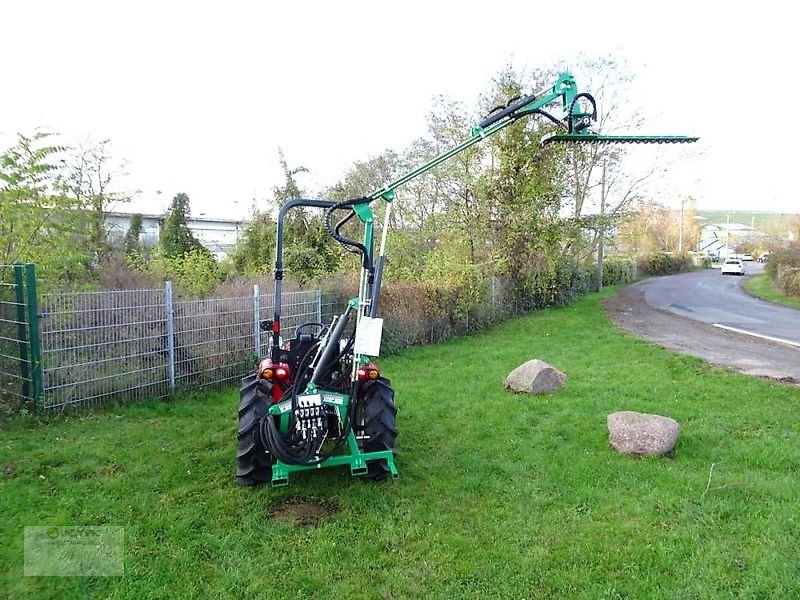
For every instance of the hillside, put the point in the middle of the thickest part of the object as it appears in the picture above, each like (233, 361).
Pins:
(758, 219)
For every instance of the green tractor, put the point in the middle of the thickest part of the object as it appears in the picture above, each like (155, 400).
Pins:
(318, 400)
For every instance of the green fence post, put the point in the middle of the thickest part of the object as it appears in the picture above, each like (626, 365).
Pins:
(22, 339)
(34, 337)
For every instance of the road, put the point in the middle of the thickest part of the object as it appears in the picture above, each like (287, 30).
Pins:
(708, 315)
(719, 300)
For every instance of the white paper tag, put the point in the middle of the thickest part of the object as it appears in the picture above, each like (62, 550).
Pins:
(368, 336)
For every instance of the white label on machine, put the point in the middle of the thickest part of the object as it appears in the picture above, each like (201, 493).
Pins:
(368, 336)
(308, 400)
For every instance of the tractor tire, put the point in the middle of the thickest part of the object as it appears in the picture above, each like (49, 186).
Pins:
(380, 424)
(254, 463)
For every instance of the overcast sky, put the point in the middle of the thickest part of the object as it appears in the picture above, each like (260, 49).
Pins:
(198, 96)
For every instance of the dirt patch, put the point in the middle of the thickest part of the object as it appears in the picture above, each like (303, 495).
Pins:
(629, 311)
(302, 512)
(10, 470)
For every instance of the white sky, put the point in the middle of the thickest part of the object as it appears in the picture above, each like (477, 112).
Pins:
(197, 96)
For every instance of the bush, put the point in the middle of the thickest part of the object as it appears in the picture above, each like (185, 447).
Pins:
(194, 273)
(785, 257)
(789, 281)
(664, 263)
(618, 270)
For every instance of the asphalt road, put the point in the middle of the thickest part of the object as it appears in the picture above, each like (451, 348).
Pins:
(720, 301)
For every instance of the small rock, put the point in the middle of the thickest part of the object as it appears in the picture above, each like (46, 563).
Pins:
(640, 434)
(535, 377)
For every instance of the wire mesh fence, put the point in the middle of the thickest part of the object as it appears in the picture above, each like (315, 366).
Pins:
(123, 345)
(99, 346)
(297, 308)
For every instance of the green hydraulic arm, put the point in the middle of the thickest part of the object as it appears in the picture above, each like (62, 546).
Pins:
(578, 112)
(575, 124)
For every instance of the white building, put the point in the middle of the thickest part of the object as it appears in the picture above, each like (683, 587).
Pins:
(218, 235)
(722, 238)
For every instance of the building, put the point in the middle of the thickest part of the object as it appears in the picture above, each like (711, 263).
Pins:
(723, 238)
(218, 235)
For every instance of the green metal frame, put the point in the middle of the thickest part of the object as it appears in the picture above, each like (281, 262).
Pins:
(35, 338)
(28, 334)
(353, 456)
(565, 91)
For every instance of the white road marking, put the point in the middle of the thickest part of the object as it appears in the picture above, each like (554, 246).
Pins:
(758, 335)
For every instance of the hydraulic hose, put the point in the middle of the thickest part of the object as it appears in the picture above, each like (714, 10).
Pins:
(303, 451)
(572, 104)
(507, 111)
(335, 234)
(289, 448)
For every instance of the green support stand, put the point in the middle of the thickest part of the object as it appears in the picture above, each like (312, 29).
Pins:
(352, 457)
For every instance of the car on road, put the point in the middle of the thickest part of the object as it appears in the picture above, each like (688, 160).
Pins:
(733, 266)
(764, 257)
(747, 256)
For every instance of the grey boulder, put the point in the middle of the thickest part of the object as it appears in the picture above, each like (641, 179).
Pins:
(640, 434)
(535, 377)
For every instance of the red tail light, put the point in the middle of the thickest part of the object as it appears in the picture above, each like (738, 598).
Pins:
(368, 372)
(268, 370)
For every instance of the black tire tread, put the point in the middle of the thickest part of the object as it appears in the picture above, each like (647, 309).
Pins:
(253, 463)
(380, 425)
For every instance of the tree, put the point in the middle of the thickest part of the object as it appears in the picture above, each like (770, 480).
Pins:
(308, 250)
(289, 190)
(364, 177)
(39, 222)
(794, 229)
(89, 172)
(496, 204)
(195, 272)
(132, 241)
(521, 193)
(254, 253)
(590, 167)
(656, 228)
(176, 237)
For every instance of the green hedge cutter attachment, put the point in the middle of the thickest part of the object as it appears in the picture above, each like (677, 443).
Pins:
(317, 400)
(575, 125)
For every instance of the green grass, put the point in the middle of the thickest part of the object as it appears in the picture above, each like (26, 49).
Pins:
(500, 495)
(761, 220)
(762, 287)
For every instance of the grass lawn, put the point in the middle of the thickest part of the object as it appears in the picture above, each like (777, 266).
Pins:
(761, 286)
(499, 496)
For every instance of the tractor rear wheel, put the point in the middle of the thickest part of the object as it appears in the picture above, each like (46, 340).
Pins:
(254, 464)
(380, 425)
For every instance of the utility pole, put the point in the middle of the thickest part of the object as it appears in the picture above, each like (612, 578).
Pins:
(728, 238)
(601, 229)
